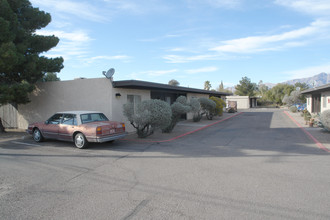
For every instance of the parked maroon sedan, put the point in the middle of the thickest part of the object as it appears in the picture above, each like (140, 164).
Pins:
(80, 127)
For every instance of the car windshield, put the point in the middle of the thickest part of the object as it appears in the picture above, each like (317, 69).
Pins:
(92, 117)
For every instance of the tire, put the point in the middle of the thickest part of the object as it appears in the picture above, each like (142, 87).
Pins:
(80, 141)
(37, 136)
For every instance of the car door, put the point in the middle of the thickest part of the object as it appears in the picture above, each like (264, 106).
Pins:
(50, 129)
(67, 127)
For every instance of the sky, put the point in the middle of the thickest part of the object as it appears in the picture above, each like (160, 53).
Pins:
(191, 41)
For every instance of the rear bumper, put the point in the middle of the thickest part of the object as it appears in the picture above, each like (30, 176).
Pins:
(106, 138)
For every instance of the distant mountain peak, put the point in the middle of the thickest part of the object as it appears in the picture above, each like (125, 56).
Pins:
(313, 81)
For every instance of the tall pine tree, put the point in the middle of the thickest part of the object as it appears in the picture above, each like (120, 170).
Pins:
(21, 64)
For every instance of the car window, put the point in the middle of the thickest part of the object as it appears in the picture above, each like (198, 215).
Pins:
(55, 119)
(92, 117)
(69, 119)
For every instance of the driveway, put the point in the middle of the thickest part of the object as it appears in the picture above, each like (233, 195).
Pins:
(257, 165)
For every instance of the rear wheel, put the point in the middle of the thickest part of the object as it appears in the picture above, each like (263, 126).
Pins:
(37, 136)
(80, 141)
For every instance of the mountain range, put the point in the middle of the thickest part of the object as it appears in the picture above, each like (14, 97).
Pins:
(314, 81)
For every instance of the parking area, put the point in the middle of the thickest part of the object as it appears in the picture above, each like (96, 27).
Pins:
(256, 165)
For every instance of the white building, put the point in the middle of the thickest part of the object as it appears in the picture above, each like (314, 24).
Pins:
(243, 102)
(318, 99)
(99, 94)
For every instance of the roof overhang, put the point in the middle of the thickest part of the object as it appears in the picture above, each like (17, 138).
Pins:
(324, 88)
(137, 84)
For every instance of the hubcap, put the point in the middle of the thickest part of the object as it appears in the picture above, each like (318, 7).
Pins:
(79, 140)
(36, 135)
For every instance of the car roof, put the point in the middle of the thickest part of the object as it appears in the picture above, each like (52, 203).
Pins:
(78, 112)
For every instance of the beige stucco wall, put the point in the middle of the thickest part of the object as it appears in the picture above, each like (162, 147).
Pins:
(243, 102)
(118, 102)
(325, 101)
(309, 102)
(81, 94)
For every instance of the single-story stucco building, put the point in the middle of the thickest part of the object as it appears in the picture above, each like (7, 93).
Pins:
(98, 94)
(243, 102)
(318, 98)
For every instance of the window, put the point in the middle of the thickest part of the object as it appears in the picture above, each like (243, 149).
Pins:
(69, 119)
(92, 117)
(55, 119)
(134, 99)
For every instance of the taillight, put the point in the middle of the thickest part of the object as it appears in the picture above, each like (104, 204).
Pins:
(99, 130)
(123, 125)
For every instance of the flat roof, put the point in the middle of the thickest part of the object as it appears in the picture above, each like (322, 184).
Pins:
(137, 84)
(318, 89)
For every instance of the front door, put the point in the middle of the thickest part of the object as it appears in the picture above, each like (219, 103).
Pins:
(316, 103)
(50, 129)
(67, 127)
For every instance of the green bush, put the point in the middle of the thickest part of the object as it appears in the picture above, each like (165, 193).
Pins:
(219, 105)
(307, 115)
(293, 109)
(207, 107)
(148, 116)
(195, 109)
(179, 107)
(325, 119)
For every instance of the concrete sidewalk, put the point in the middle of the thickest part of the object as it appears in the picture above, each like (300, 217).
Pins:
(182, 129)
(318, 133)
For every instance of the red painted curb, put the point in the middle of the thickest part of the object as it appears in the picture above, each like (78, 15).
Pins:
(182, 135)
(319, 144)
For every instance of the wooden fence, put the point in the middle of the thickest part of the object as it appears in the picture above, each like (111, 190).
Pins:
(8, 115)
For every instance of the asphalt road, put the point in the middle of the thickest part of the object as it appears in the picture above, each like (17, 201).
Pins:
(258, 165)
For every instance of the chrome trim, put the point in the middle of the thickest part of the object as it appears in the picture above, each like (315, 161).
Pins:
(105, 139)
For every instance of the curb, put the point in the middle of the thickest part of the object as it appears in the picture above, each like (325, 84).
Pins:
(182, 135)
(318, 143)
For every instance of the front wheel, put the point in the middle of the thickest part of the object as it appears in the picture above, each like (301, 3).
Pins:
(80, 141)
(37, 136)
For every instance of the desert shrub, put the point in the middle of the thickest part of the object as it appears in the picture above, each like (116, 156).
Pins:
(195, 109)
(207, 107)
(325, 119)
(148, 116)
(293, 108)
(179, 107)
(219, 104)
(307, 115)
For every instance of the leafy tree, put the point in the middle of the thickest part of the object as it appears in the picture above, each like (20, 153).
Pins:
(207, 85)
(246, 87)
(277, 93)
(21, 64)
(48, 77)
(262, 89)
(301, 86)
(294, 97)
(173, 82)
(148, 116)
